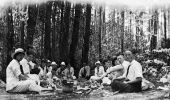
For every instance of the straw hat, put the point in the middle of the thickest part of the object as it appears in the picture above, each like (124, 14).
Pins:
(53, 63)
(98, 62)
(63, 63)
(17, 51)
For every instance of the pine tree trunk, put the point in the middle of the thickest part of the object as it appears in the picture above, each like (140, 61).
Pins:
(47, 38)
(53, 54)
(165, 34)
(9, 36)
(22, 34)
(75, 35)
(32, 15)
(87, 34)
(122, 32)
(64, 45)
(100, 32)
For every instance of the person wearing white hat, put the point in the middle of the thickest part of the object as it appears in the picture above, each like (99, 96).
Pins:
(60, 71)
(15, 80)
(99, 71)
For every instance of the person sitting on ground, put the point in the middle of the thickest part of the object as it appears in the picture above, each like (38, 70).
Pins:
(60, 71)
(99, 71)
(27, 67)
(43, 70)
(133, 80)
(85, 72)
(124, 63)
(69, 72)
(54, 68)
(16, 80)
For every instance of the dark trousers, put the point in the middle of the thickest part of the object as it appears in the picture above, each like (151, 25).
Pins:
(118, 85)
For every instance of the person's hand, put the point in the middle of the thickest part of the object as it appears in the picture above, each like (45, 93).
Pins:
(23, 77)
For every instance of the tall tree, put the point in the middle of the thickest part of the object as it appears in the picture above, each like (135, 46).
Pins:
(10, 35)
(87, 34)
(122, 31)
(22, 34)
(75, 34)
(165, 34)
(100, 32)
(47, 38)
(65, 22)
(53, 31)
(32, 16)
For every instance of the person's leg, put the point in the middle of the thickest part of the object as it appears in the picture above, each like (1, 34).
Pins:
(28, 85)
(121, 87)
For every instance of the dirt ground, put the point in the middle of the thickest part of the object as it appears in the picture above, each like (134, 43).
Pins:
(103, 95)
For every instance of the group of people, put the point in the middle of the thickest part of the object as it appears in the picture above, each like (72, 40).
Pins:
(124, 75)
(22, 74)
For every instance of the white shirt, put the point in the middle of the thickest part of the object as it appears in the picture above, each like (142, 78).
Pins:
(12, 74)
(100, 72)
(26, 67)
(32, 64)
(135, 70)
(125, 65)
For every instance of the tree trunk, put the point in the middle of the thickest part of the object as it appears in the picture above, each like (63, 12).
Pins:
(100, 32)
(47, 38)
(9, 36)
(22, 34)
(64, 46)
(32, 15)
(75, 35)
(122, 32)
(53, 54)
(165, 34)
(87, 34)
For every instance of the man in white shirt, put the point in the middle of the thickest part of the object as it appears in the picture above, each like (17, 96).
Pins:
(16, 80)
(133, 77)
(27, 67)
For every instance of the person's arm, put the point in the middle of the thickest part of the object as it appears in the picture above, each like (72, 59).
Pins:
(80, 73)
(72, 71)
(112, 69)
(138, 74)
(88, 71)
(22, 77)
(134, 81)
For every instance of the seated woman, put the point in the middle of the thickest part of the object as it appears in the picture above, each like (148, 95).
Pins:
(99, 71)
(69, 72)
(85, 72)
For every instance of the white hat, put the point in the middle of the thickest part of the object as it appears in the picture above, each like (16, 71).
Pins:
(19, 50)
(53, 63)
(48, 61)
(98, 62)
(63, 63)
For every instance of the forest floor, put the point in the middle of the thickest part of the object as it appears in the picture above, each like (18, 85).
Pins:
(103, 95)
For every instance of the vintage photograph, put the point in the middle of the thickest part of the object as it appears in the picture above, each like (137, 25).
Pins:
(84, 50)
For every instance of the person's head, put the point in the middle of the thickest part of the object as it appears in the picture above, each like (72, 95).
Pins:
(53, 64)
(18, 54)
(114, 61)
(84, 64)
(63, 64)
(97, 63)
(120, 58)
(129, 56)
(30, 55)
(43, 62)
